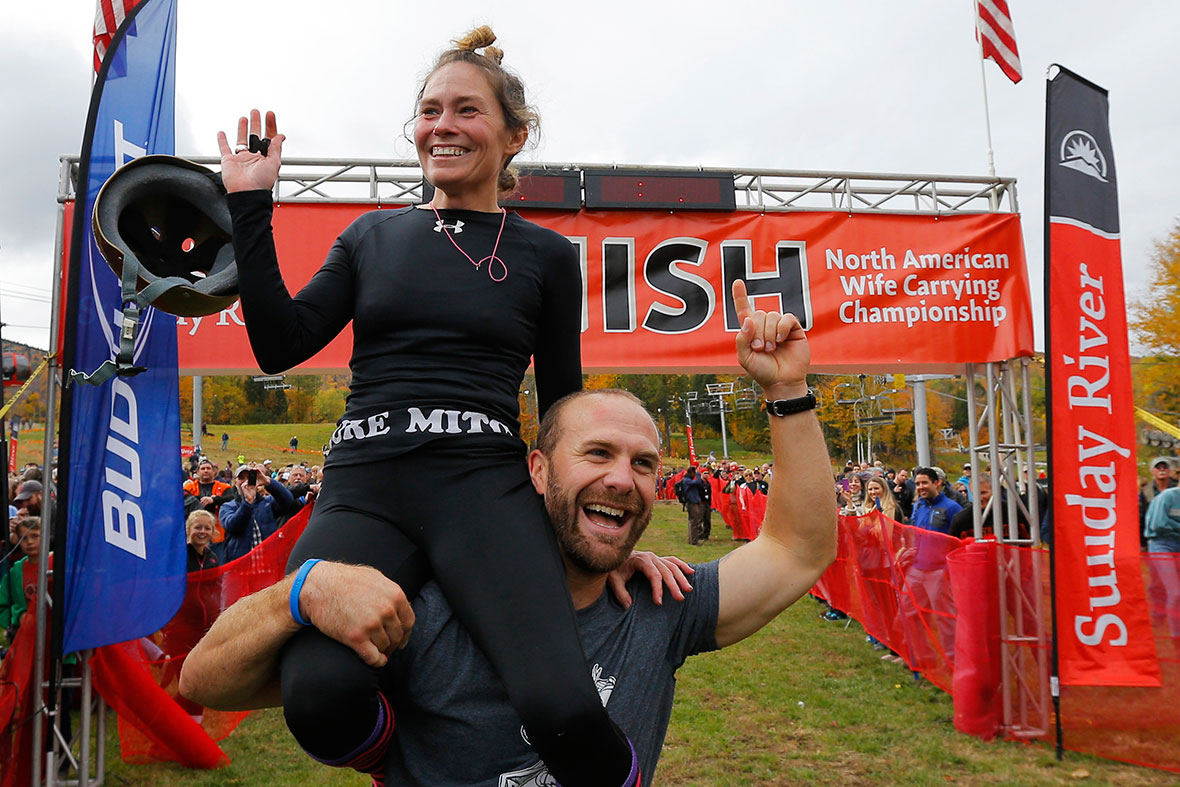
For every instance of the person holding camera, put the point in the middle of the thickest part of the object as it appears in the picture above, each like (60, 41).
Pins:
(251, 517)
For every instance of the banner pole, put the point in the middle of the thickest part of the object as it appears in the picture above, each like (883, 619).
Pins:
(1054, 672)
(48, 502)
(987, 120)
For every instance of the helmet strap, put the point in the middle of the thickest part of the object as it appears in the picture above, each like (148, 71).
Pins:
(134, 304)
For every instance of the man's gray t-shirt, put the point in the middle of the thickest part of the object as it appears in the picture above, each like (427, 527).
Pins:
(455, 725)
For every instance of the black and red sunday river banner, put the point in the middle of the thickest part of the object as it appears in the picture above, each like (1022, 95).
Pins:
(1104, 635)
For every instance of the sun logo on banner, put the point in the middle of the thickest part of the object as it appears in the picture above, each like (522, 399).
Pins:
(1080, 151)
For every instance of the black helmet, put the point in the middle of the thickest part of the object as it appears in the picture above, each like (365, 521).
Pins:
(170, 216)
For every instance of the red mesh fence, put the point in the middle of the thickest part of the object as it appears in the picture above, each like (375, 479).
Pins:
(1137, 725)
(140, 678)
(742, 510)
(936, 601)
(893, 578)
(16, 705)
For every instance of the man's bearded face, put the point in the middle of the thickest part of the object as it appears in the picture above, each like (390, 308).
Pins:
(579, 517)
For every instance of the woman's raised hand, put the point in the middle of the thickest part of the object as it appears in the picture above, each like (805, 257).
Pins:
(243, 170)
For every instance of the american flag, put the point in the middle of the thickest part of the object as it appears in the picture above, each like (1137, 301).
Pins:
(999, 37)
(107, 18)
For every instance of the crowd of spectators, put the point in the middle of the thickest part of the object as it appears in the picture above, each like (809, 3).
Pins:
(922, 497)
(693, 487)
(230, 510)
(862, 488)
(242, 506)
(21, 551)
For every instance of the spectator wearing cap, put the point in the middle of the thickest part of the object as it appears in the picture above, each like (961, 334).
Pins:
(299, 483)
(1162, 531)
(28, 498)
(948, 488)
(251, 517)
(965, 480)
(1161, 479)
(206, 492)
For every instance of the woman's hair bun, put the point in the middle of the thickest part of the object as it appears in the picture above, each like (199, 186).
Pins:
(481, 37)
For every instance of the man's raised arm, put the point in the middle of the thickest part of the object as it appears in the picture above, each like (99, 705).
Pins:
(798, 538)
(235, 665)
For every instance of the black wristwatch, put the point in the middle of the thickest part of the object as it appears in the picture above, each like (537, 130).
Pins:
(784, 407)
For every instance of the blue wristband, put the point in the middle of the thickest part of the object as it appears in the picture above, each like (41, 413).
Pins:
(297, 586)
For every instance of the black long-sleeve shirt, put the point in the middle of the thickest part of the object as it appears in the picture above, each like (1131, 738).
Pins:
(430, 330)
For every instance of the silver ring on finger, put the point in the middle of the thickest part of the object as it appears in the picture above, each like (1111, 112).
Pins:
(241, 147)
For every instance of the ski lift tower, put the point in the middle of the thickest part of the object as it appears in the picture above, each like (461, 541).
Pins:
(721, 390)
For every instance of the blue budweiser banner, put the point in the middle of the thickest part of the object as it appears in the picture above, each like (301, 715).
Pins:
(120, 441)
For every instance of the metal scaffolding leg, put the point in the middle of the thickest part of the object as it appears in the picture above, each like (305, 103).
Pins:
(52, 754)
(1006, 424)
(83, 764)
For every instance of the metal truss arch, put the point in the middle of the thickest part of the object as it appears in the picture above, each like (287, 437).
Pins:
(400, 182)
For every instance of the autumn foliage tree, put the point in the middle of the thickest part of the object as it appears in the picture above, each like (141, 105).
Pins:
(1156, 322)
(236, 399)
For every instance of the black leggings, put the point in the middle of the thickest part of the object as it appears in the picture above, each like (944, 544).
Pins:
(463, 511)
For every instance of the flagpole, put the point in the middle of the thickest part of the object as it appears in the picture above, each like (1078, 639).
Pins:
(1054, 655)
(987, 120)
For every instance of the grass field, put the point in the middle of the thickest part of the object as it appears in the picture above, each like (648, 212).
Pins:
(802, 702)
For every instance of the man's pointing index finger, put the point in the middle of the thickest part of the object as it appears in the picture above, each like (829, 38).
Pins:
(741, 302)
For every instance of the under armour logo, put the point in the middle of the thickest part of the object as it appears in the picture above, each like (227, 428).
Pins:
(456, 228)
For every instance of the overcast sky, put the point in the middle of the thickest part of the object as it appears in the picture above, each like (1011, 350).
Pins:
(791, 84)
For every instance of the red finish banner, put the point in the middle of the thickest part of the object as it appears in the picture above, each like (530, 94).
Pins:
(656, 288)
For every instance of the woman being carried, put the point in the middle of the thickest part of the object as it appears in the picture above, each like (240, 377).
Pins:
(426, 477)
